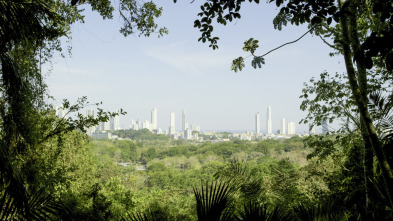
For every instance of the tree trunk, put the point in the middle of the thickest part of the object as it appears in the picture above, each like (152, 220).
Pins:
(362, 82)
(358, 90)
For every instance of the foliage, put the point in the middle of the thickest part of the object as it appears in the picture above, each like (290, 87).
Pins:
(143, 134)
(213, 202)
(360, 31)
(30, 34)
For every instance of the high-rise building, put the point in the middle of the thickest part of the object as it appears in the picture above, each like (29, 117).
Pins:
(92, 129)
(282, 131)
(184, 123)
(146, 125)
(188, 134)
(257, 124)
(269, 121)
(105, 126)
(154, 119)
(291, 128)
(172, 124)
(325, 126)
(60, 112)
(311, 129)
(115, 122)
(138, 124)
(90, 112)
(133, 125)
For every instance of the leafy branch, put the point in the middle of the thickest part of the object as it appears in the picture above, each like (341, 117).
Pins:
(250, 46)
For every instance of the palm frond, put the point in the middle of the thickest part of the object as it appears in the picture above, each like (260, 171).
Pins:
(238, 176)
(213, 202)
(318, 212)
(381, 108)
(256, 211)
(148, 215)
(13, 196)
(41, 206)
(136, 217)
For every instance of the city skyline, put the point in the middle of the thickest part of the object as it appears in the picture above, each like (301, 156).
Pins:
(114, 122)
(177, 72)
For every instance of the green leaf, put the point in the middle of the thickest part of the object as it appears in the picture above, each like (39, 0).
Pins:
(257, 61)
(237, 64)
(250, 45)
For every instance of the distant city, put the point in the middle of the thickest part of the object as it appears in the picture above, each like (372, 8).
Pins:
(192, 131)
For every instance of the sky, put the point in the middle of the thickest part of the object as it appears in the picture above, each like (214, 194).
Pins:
(176, 72)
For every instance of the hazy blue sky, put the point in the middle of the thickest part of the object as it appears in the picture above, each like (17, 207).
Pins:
(177, 72)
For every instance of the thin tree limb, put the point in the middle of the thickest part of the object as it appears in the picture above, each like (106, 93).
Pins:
(287, 43)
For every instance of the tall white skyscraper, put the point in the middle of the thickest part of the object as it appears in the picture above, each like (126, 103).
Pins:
(154, 119)
(282, 131)
(269, 121)
(257, 124)
(311, 129)
(291, 128)
(90, 112)
(115, 122)
(172, 124)
(60, 112)
(325, 126)
(105, 126)
(92, 129)
(138, 124)
(146, 125)
(133, 125)
(184, 123)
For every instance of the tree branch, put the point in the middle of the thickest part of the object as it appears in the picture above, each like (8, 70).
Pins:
(287, 43)
(327, 43)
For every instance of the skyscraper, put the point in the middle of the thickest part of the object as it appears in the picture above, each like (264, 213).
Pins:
(291, 128)
(146, 125)
(184, 123)
(60, 112)
(104, 126)
(311, 129)
(325, 126)
(90, 112)
(269, 121)
(282, 131)
(154, 119)
(92, 129)
(257, 124)
(115, 122)
(172, 124)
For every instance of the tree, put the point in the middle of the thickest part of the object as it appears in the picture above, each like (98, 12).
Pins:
(360, 30)
(30, 33)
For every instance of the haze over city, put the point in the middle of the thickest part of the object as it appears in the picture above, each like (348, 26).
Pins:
(177, 72)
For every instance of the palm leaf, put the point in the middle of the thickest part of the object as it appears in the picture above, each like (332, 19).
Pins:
(318, 212)
(256, 211)
(238, 176)
(213, 202)
(149, 215)
(136, 217)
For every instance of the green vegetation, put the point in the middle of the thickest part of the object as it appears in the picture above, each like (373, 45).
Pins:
(49, 170)
(143, 134)
(173, 170)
